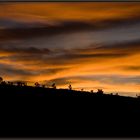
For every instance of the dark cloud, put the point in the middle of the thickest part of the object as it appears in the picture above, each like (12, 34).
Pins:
(11, 23)
(51, 71)
(125, 45)
(25, 33)
(131, 68)
(102, 79)
(28, 50)
(116, 49)
(97, 55)
(14, 71)
(10, 70)
(59, 81)
(124, 80)
(75, 58)
(115, 79)
(15, 30)
(44, 54)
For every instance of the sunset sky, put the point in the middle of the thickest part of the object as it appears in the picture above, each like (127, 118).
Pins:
(89, 45)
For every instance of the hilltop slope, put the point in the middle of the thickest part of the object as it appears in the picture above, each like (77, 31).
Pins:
(34, 111)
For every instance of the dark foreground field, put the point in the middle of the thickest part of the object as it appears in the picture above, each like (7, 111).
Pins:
(42, 112)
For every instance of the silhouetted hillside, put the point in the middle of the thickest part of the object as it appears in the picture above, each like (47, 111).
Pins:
(47, 112)
(15, 90)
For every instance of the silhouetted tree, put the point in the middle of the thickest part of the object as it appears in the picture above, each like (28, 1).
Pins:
(54, 86)
(19, 83)
(37, 84)
(82, 89)
(100, 91)
(43, 86)
(3, 83)
(10, 83)
(91, 91)
(24, 83)
(1, 79)
(70, 87)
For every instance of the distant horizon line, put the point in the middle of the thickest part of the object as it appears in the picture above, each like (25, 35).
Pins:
(122, 93)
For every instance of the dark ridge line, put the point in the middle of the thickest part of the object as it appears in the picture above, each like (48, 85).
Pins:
(64, 91)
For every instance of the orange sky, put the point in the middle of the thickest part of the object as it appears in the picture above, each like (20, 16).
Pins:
(90, 45)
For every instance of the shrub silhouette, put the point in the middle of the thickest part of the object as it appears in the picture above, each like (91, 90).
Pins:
(37, 84)
(138, 95)
(3, 83)
(10, 83)
(82, 89)
(1, 79)
(24, 83)
(19, 83)
(91, 91)
(100, 91)
(43, 86)
(70, 87)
